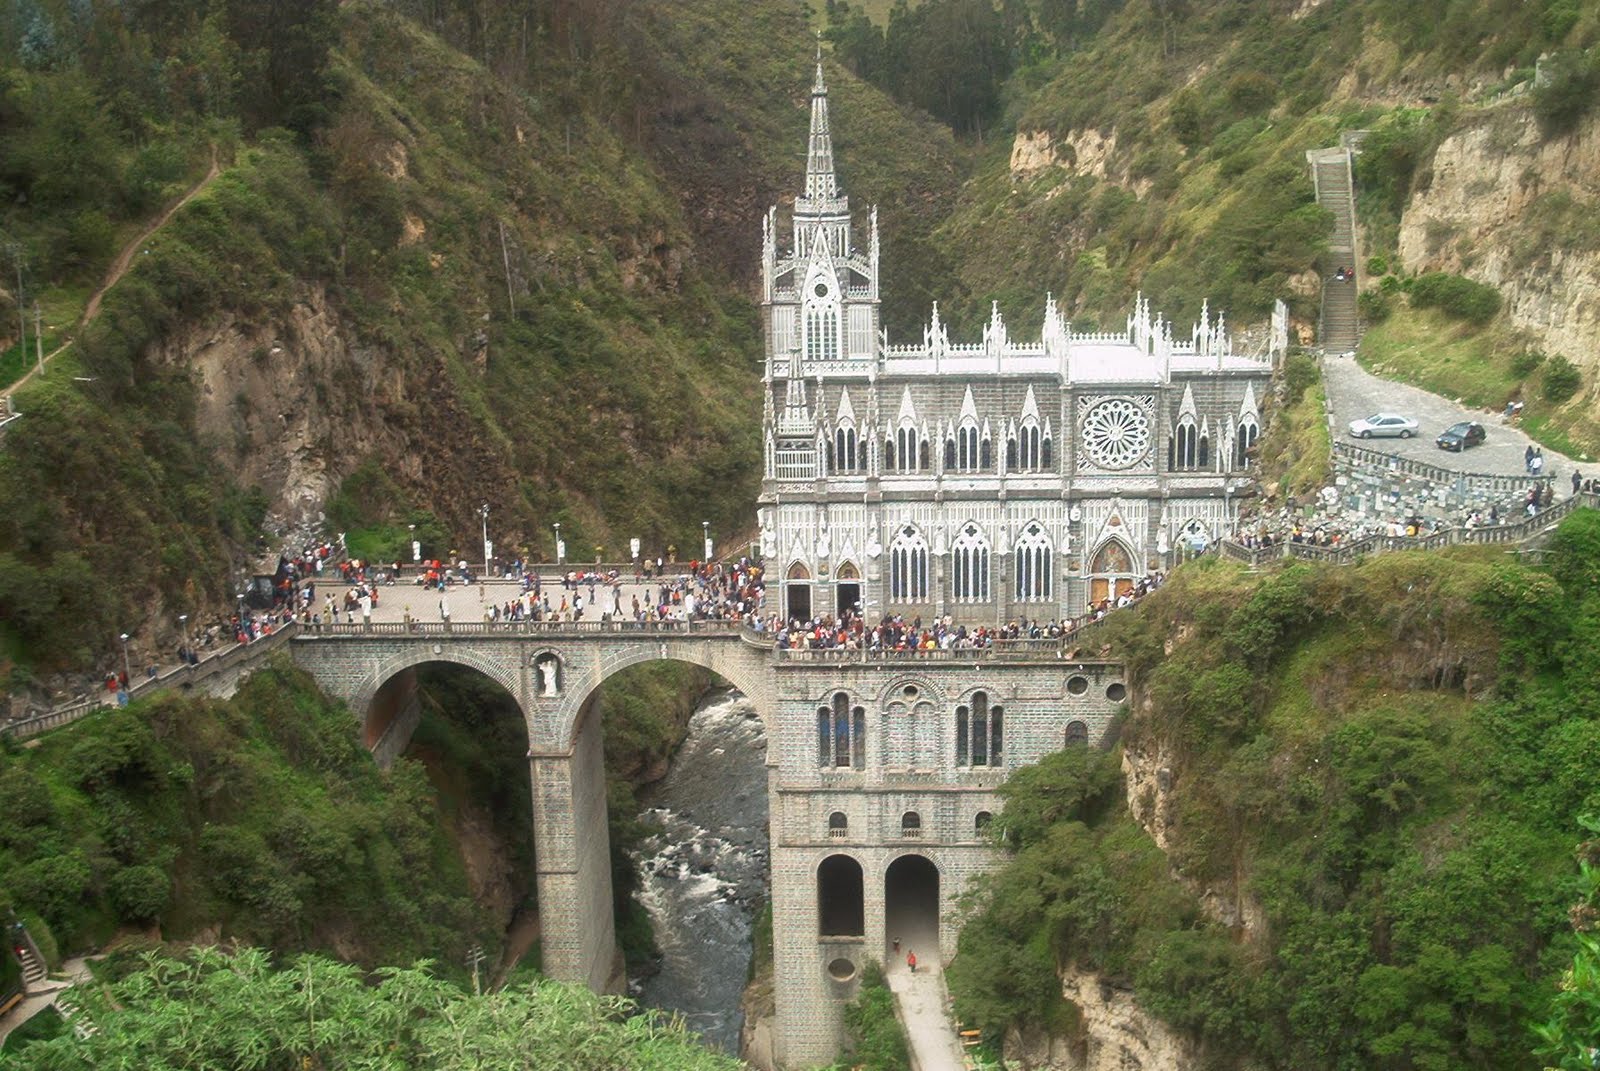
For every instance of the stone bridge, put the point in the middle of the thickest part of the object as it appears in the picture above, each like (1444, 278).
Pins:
(882, 773)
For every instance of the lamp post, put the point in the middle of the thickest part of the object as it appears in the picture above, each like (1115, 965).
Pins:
(483, 511)
(559, 555)
(416, 548)
(183, 639)
(705, 532)
(239, 612)
(127, 667)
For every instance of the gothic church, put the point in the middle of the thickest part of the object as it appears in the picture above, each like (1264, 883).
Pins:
(992, 481)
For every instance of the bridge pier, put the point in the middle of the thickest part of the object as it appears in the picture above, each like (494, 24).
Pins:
(573, 860)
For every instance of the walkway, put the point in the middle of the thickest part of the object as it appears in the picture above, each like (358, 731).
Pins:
(74, 971)
(1353, 393)
(119, 268)
(924, 1009)
(1338, 330)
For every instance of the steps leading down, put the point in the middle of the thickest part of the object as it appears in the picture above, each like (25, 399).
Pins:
(1337, 330)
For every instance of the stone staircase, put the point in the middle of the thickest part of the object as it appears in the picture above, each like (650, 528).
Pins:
(33, 969)
(1338, 327)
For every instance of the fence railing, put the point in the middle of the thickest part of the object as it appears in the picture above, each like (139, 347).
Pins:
(1489, 482)
(513, 629)
(1525, 533)
(229, 658)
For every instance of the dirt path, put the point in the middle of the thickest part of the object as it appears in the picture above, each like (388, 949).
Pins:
(922, 999)
(119, 267)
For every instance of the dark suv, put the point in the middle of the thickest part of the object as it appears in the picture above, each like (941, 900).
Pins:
(1458, 437)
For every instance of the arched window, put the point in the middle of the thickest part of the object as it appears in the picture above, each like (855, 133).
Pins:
(908, 566)
(844, 457)
(841, 904)
(1011, 453)
(1077, 734)
(888, 454)
(1183, 450)
(911, 824)
(1112, 558)
(950, 455)
(822, 331)
(1030, 450)
(1248, 433)
(980, 732)
(969, 560)
(986, 454)
(1205, 450)
(841, 734)
(838, 825)
(967, 457)
(1046, 461)
(981, 823)
(911, 449)
(1032, 554)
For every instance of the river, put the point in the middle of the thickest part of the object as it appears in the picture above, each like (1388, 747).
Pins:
(703, 878)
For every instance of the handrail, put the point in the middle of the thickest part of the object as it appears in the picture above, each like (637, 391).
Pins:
(1486, 481)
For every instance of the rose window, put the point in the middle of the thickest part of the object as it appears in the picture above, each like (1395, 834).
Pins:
(1116, 433)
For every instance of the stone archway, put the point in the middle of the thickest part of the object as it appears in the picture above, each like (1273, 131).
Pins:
(911, 911)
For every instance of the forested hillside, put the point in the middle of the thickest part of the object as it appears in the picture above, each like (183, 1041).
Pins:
(1341, 832)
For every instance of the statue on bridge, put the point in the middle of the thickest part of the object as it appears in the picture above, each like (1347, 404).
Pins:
(549, 668)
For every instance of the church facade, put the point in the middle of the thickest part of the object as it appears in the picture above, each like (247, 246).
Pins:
(993, 480)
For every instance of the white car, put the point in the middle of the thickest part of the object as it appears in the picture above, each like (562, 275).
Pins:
(1380, 424)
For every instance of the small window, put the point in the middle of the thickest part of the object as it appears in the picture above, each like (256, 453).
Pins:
(911, 824)
(1078, 685)
(1077, 734)
(980, 824)
(838, 825)
(909, 691)
(1117, 692)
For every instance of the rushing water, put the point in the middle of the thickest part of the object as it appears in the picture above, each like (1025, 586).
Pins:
(705, 875)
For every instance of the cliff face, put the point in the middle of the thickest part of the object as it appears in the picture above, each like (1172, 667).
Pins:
(1509, 207)
(1113, 1034)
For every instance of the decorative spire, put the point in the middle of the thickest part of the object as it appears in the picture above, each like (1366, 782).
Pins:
(821, 185)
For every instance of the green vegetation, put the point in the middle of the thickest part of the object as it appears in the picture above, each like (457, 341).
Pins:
(1376, 773)
(1456, 296)
(1297, 452)
(877, 1040)
(45, 1024)
(261, 818)
(214, 1009)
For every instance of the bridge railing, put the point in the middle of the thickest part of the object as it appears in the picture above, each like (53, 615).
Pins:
(619, 627)
(228, 658)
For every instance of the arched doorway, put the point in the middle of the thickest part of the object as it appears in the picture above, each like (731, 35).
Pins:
(847, 594)
(1111, 572)
(841, 898)
(911, 911)
(797, 592)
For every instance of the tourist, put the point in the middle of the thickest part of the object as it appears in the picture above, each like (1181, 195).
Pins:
(911, 961)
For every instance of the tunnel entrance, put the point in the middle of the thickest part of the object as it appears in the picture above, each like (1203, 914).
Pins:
(911, 911)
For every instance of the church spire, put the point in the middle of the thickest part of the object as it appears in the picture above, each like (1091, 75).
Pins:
(821, 185)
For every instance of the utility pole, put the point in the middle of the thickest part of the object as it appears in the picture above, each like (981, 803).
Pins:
(475, 958)
(38, 335)
(22, 308)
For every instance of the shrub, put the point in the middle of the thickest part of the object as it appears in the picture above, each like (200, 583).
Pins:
(879, 1043)
(1456, 296)
(1524, 363)
(1377, 265)
(139, 893)
(1561, 380)
(1566, 89)
(1374, 306)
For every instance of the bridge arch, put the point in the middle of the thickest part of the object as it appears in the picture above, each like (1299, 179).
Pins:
(491, 663)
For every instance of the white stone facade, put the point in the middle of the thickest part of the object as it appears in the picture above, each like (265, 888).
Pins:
(1021, 478)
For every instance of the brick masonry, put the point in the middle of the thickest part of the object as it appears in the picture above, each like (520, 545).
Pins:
(909, 764)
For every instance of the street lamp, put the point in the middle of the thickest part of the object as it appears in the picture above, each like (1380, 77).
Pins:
(483, 511)
(183, 639)
(557, 526)
(705, 532)
(239, 612)
(127, 667)
(416, 548)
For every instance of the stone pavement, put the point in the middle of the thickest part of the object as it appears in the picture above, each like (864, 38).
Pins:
(1353, 392)
(923, 1006)
(468, 602)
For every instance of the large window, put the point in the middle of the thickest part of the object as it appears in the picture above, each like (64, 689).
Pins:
(970, 564)
(967, 447)
(1249, 431)
(1183, 452)
(842, 734)
(979, 732)
(846, 456)
(908, 566)
(1032, 570)
(910, 449)
(822, 332)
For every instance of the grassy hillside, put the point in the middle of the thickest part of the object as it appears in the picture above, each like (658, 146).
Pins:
(1376, 773)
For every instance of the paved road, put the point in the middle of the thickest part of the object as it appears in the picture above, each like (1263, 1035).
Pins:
(1354, 393)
